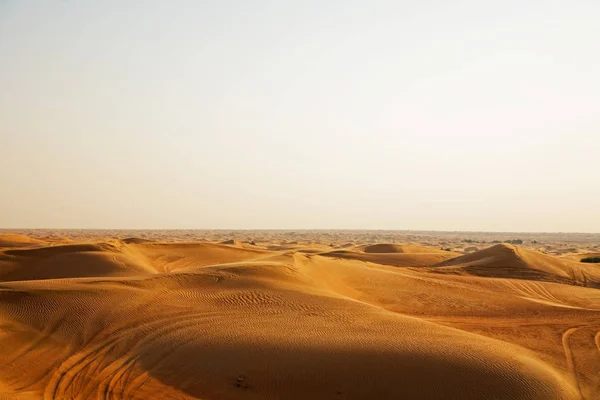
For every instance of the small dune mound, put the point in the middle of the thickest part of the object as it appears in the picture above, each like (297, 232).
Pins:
(11, 240)
(134, 240)
(231, 242)
(399, 248)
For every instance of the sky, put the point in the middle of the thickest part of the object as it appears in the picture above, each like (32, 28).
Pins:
(425, 115)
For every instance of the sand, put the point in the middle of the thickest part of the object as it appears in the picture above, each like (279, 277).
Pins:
(295, 316)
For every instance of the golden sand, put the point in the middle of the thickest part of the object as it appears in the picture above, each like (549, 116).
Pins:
(137, 318)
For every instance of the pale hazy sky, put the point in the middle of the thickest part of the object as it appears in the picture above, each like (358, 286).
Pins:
(446, 115)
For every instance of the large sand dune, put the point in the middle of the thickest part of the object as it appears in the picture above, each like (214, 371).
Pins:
(509, 261)
(137, 318)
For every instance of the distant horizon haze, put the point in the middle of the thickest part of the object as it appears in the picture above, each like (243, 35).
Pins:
(3, 230)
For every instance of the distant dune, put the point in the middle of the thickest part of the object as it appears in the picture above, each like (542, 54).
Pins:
(15, 240)
(398, 248)
(137, 319)
(231, 242)
(134, 240)
(399, 255)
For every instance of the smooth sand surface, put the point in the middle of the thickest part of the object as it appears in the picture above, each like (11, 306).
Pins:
(176, 318)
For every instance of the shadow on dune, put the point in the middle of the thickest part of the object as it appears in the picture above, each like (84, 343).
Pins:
(266, 370)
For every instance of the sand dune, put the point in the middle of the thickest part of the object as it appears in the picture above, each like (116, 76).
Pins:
(395, 259)
(135, 319)
(399, 248)
(399, 255)
(509, 261)
(134, 240)
(15, 240)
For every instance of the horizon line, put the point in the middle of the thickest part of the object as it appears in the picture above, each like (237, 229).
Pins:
(298, 229)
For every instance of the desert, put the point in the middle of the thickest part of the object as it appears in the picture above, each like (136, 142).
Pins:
(248, 200)
(307, 314)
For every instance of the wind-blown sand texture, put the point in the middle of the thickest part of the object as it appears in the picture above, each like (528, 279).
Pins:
(212, 317)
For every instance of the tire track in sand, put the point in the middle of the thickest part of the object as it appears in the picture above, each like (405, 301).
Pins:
(569, 356)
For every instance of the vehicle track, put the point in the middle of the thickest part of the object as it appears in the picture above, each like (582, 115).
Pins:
(569, 356)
